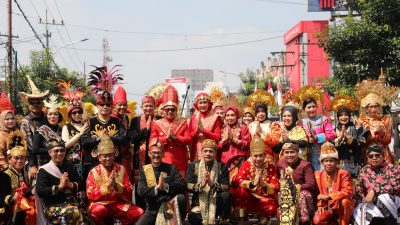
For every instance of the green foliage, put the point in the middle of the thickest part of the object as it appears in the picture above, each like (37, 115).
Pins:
(361, 46)
(249, 82)
(45, 76)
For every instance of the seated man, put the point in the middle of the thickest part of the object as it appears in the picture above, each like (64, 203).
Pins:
(163, 188)
(109, 190)
(377, 191)
(56, 186)
(335, 190)
(15, 197)
(208, 180)
(298, 175)
(258, 183)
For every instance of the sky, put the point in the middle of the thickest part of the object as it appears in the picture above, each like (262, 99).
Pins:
(149, 38)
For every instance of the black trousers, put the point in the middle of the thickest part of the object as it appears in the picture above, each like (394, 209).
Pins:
(224, 201)
(149, 217)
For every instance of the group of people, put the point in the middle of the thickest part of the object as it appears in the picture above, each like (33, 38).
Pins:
(224, 163)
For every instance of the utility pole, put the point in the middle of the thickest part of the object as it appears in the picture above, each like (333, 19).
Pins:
(48, 34)
(282, 54)
(10, 61)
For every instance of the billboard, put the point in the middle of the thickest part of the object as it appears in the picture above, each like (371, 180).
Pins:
(326, 5)
(180, 84)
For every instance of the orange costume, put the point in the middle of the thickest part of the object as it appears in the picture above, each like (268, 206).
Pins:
(257, 186)
(210, 122)
(339, 207)
(105, 204)
(175, 151)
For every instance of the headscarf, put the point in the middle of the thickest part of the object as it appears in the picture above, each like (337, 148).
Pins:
(235, 110)
(293, 111)
(3, 115)
(263, 106)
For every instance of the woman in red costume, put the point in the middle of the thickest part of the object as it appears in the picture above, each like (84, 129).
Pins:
(204, 124)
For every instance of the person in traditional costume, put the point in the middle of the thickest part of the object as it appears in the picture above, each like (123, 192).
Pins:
(51, 129)
(334, 202)
(56, 187)
(377, 192)
(208, 180)
(235, 143)
(140, 130)
(291, 131)
(262, 127)
(248, 115)
(172, 131)
(17, 205)
(8, 124)
(203, 124)
(109, 190)
(120, 111)
(318, 127)
(298, 176)
(379, 126)
(102, 81)
(258, 184)
(350, 139)
(163, 188)
(218, 98)
(35, 119)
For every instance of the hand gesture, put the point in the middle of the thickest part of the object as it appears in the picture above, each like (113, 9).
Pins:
(111, 183)
(64, 180)
(200, 127)
(84, 128)
(161, 183)
(323, 197)
(257, 178)
(32, 172)
(171, 134)
(370, 196)
(284, 135)
(148, 122)
(258, 128)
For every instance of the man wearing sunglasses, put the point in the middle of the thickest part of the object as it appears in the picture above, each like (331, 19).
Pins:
(35, 119)
(172, 131)
(377, 192)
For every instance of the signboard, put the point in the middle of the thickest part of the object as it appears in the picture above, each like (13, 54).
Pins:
(180, 84)
(326, 5)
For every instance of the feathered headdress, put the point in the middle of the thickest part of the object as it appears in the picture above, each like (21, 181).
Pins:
(71, 94)
(217, 96)
(16, 144)
(309, 91)
(103, 80)
(261, 96)
(343, 102)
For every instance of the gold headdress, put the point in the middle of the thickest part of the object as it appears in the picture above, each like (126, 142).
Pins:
(106, 146)
(291, 146)
(343, 102)
(217, 97)
(250, 110)
(53, 103)
(233, 100)
(209, 143)
(261, 96)
(382, 94)
(328, 151)
(257, 145)
(157, 91)
(16, 144)
(309, 91)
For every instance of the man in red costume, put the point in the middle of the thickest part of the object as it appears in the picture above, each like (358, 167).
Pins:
(109, 190)
(258, 181)
(171, 131)
(335, 190)
(204, 124)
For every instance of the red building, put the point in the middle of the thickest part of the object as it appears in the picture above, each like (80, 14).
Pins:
(306, 62)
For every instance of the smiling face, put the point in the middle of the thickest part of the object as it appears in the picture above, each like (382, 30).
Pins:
(291, 155)
(156, 155)
(105, 108)
(17, 162)
(373, 110)
(53, 117)
(35, 105)
(9, 121)
(375, 159)
(330, 164)
(208, 154)
(230, 117)
(344, 118)
(148, 108)
(170, 112)
(220, 112)
(107, 160)
(311, 110)
(203, 105)
(76, 115)
(57, 154)
(261, 114)
(258, 159)
(287, 118)
(247, 119)
(121, 108)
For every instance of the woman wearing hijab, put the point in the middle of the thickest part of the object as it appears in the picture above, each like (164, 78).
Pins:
(291, 132)
(349, 138)
(7, 125)
(50, 130)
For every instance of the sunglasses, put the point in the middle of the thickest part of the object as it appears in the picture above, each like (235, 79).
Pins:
(170, 110)
(35, 102)
(105, 104)
(371, 156)
(59, 151)
(77, 112)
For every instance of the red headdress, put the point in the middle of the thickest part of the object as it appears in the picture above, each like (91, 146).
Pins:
(169, 97)
(71, 94)
(103, 81)
(5, 102)
(120, 95)
(203, 96)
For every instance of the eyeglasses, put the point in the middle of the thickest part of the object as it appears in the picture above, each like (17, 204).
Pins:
(19, 158)
(59, 151)
(105, 104)
(156, 153)
(170, 110)
(371, 156)
(77, 112)
(35, 102)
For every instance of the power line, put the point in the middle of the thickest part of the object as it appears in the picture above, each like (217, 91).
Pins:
(180, 49)
(283, 2)
(30, 25)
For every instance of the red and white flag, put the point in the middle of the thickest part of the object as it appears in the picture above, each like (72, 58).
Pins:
(270, 90)
(279, 95)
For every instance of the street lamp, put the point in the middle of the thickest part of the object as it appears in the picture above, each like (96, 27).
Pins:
(67, 44)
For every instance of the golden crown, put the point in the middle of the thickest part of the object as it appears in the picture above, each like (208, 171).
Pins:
(257, 145)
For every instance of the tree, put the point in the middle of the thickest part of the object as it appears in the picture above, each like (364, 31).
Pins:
(248, 79)
(360, 46)
(44, 76)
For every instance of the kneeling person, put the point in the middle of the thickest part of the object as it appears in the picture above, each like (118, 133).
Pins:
(56, 186)
(109, 190)
(163, 188)
(208, 180)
